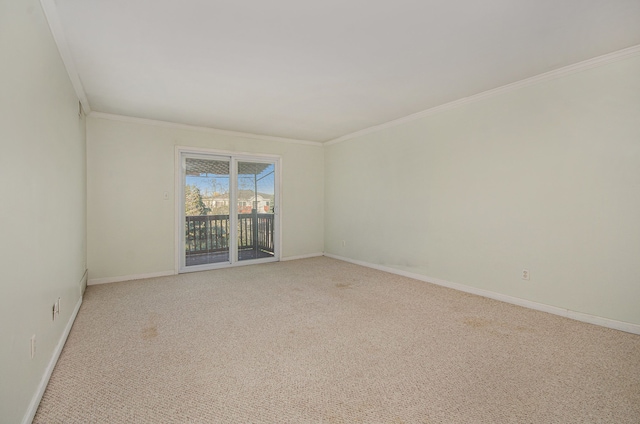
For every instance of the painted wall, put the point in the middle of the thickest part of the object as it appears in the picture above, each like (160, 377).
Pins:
(130, 167)
(546, 177)
(42, 206)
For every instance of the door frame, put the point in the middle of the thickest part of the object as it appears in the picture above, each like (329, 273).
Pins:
(234, 158)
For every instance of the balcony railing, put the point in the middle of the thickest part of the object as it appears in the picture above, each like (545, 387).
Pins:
(211, 233)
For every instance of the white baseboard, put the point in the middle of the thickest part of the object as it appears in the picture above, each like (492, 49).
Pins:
(310, 255)
(106, 280)
(94, 281)
(578, 316)
(35, 401)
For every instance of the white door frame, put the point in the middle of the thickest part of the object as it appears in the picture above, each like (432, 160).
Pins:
(234, 157)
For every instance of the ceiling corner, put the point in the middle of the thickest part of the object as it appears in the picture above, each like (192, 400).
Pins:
(51, 14)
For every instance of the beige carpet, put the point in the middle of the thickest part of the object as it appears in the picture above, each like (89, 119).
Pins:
(324, 341)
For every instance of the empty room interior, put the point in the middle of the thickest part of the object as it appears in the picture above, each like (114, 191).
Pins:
(339, 211)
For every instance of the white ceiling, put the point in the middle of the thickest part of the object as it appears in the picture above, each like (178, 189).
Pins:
(319, 70)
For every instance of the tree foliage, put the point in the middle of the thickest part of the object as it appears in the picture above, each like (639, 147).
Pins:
(193, 203)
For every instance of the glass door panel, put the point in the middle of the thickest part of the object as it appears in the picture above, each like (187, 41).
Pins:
(206, 206)
(256, 205)
(227, 209)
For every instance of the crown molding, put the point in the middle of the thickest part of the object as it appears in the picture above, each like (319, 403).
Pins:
(50, 11)
(51, 14)
(547, 76)
(174, 125)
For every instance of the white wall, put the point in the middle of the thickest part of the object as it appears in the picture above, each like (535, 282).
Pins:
(42, 202)
(130, 166)
(545, 177)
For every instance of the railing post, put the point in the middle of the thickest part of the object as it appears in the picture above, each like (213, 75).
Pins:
(254, 227)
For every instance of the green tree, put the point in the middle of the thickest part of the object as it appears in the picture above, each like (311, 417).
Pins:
(193, 204)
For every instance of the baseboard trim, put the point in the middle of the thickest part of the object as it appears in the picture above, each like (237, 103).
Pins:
(35, 401)
(106, 280)
(310, 255)
(578, 316)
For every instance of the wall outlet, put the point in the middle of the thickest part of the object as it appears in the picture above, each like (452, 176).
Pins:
(344, 243)
(58, 307)
(33, 346)
(525, 274)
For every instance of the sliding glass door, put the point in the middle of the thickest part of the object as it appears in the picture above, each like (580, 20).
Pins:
(206, 210)
(256, 196)
(227, 209)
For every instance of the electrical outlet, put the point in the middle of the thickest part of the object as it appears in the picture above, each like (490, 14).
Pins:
(33, 346)
(344, 243)
(58, 307)
(525, 274)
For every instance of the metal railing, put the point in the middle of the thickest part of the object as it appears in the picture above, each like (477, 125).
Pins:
(211, 233)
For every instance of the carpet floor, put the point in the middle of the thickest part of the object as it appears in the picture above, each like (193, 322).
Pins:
(324, 341)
